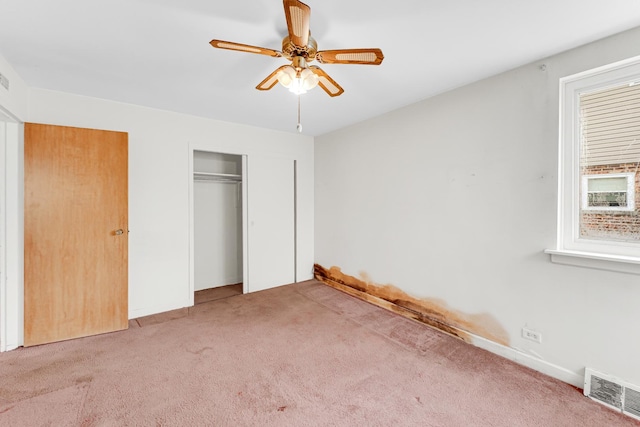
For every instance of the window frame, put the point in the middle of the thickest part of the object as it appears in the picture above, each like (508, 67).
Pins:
(569, 242)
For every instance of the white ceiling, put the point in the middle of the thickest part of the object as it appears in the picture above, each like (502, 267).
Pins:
(156, 53)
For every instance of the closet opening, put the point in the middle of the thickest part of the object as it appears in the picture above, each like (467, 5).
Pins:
(217, 226)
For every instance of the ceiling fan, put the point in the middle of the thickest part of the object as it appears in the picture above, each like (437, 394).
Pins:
(301, 49)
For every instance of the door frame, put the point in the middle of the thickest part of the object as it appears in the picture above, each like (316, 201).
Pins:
(245, 262)
(3, 234)
(11, 232)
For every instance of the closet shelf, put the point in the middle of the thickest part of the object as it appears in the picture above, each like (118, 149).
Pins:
(211, 176)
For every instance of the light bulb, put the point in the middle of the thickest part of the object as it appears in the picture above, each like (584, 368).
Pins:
(297, 86)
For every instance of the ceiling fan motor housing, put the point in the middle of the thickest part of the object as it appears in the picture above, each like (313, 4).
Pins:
(290, 50)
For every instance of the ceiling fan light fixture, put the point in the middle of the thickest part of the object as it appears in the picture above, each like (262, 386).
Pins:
(297, 87)
(297, 82)
(286, 76)
(300, 48)
(308, 79)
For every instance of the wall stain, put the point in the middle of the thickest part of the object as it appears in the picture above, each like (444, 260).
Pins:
(430, 311)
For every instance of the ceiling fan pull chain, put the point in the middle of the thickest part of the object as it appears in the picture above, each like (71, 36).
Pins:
(299, 127)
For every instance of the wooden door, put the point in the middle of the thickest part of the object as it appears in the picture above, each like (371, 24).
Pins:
(75, 226)
(271, 231)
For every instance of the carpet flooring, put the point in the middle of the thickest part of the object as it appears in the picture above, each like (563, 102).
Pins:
(208, 295)
(298, 355)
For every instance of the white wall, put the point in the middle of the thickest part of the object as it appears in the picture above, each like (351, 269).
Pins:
(455, 198)
(159, 156)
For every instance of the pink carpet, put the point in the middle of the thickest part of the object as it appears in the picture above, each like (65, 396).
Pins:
(298, 355)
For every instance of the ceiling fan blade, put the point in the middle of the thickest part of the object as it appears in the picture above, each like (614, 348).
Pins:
(297, 14)
(271, 80)
(350, 56)
(221, 44)
(327, 83)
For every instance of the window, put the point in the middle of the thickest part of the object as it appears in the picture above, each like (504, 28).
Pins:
(599, 163)
(608, 192)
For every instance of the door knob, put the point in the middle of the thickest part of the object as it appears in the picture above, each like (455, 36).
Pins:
(119, 231)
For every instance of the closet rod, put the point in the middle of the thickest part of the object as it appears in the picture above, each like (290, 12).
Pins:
(222, 177)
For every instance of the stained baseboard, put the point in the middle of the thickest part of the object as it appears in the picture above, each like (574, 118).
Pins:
(499, 349)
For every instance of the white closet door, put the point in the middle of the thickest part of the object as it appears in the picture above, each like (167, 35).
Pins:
(271, 238)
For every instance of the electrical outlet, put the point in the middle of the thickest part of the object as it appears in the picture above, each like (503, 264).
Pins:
(531, 335)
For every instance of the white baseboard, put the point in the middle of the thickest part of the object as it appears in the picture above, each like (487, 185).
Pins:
(529, 361)
(9, 347)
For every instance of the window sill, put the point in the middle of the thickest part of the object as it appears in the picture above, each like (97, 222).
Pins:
(618, 263)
